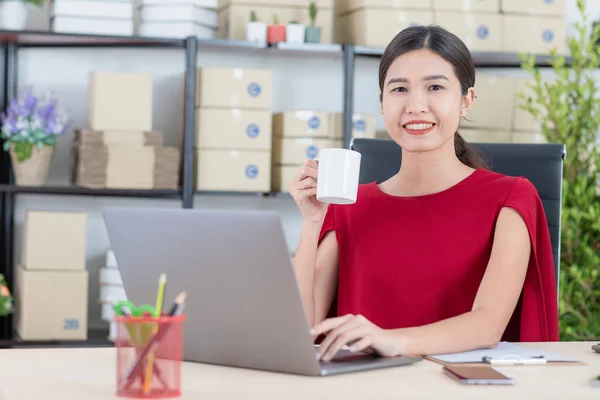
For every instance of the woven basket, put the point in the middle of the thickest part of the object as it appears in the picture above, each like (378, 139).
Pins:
(34, 170)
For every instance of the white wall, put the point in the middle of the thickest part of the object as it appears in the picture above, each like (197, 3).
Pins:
(300, 82)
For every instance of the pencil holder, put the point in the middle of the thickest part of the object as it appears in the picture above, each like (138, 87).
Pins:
(149, 356)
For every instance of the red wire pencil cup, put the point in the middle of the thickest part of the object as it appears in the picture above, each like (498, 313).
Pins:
(149, 355)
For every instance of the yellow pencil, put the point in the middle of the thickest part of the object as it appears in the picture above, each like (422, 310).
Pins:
(159, 303)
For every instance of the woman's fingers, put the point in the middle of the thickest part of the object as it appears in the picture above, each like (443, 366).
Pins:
(329, 324)
(354, 334)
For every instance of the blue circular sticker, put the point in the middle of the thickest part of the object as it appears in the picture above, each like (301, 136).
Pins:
(360, 125)
(483, 32)
(548, 1)
(252, 131)
(314, 122)
(254, 89)
(251, 171)
(548, 35)
(312, 152)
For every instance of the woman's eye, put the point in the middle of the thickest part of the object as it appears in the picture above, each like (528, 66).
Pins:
(399, 89)
(436, 87)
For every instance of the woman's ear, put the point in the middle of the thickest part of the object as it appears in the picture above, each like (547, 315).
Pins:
(467, 102)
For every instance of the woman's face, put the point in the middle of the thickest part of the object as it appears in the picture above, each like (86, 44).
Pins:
(422, 101)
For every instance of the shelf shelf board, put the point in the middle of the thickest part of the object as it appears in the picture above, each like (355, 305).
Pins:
(96, 338)
(83, 191)
(56, 39)
(321, 48)
(481, 59)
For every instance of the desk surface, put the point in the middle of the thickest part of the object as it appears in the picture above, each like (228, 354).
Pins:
(90, 374)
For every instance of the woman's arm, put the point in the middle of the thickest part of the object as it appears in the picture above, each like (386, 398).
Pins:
(481, 327)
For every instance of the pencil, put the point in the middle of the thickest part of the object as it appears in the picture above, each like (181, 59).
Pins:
(159, 303)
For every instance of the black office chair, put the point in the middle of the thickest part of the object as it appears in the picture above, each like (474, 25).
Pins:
(542, 164)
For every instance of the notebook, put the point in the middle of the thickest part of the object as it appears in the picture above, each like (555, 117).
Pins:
(503, 350)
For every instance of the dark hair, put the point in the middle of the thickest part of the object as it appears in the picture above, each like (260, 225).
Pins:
(452, 49)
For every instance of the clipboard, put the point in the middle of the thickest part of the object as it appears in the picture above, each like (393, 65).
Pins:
(508, 353)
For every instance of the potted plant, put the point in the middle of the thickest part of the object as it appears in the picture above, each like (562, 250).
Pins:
(6, 300)
(294, 32)
(29, 129)
(313, 32)
(13, 13)
(569, 113)
(276, 31)
(256, 32)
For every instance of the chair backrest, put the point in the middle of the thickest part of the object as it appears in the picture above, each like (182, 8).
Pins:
(542, 164)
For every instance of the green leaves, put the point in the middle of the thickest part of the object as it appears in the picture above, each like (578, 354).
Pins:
(569, 112)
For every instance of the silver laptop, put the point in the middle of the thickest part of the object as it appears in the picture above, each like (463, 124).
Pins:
(243, 305)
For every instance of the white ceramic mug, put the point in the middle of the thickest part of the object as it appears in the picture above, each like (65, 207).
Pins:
(338, 173)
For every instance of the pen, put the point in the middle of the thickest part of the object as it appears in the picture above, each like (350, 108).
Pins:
(529, 361)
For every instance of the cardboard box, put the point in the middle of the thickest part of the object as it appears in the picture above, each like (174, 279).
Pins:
(494, 105)
(92, 25)
(344, 6)
(233, 171)
(363, 125)
(532, 34)
(534, 7)
(283, 175)
(54, 240)
(88, 137)
(301, 123)
(234, 128)
(467, 5)
(222, 87)
(528, 137)
(92, 8)
(295, 151)
(485, 136)
(376, 27)
(235, 14)
(479, 31)
(120, 101)
(51, 305)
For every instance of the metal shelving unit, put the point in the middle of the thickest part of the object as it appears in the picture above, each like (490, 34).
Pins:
(12, 41)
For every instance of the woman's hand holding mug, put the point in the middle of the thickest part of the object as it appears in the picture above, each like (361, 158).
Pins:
(304, 192)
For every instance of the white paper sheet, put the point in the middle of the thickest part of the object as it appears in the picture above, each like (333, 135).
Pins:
(503, 350)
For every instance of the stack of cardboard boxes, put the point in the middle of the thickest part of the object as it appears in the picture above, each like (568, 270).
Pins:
(100, 17)
(119, 149)
(179, 19)
(509, 26)
(233, 129)
(496, 115)
(52, 280)
(298, 135)
(235, 14)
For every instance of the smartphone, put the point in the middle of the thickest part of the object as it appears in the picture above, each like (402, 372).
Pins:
(477, 375)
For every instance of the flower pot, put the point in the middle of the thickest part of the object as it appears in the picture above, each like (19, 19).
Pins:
(313, 34)
(13, 15)
(276, 33)
(294, 33)
(34, 170)
(256, 32)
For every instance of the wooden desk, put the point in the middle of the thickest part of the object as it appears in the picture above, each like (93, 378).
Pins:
(75, 374)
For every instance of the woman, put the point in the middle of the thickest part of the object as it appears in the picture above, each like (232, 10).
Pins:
(446, 255)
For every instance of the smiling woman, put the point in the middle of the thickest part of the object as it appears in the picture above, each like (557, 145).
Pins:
(444, 256)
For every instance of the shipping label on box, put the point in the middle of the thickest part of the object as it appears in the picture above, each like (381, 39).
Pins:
(235, 129)
(54, 240)
(248, 88)
(233, 170)
(494, 105)
(301, 123)
(467, 5)
(533, 35)
(52, 305)
(479, 31)
(120, 102)
(535, 7)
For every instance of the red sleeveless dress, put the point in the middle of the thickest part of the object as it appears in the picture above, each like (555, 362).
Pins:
(411, 261)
